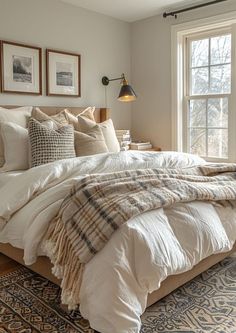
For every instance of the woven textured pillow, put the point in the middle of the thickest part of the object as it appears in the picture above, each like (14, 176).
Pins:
(48, 145)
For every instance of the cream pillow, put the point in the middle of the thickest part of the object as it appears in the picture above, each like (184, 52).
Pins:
(88, 113)
(72, 120)
(59, 119)
(16, 146)
(19, 116)
(108, 131)
(90, 143)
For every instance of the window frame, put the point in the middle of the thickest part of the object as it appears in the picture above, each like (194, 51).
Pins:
(187, 88)
(212, 25)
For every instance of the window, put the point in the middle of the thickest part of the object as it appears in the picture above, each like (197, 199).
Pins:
(207, 87)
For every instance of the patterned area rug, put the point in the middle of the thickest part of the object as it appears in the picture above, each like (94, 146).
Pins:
(206, 304)
(31, 304)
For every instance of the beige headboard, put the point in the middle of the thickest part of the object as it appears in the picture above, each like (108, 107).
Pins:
(101, 114)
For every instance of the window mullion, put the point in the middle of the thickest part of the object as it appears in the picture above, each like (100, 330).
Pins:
(232, 100)
(207, 127)
(207, 96)
(209, 65)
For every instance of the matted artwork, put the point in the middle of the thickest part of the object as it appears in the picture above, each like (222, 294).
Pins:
(63, 73)
(21, 68)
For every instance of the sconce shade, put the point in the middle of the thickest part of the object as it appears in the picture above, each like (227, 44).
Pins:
(127, 94)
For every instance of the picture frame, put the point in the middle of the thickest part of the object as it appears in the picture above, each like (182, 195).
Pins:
(21, 68)
(62, 73)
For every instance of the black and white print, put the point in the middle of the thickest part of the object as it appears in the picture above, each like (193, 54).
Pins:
(22, 69)
(64, 74)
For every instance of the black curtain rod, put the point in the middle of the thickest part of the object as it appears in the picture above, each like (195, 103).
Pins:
(174, 13)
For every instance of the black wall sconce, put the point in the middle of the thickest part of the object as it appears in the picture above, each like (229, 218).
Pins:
(127, 93)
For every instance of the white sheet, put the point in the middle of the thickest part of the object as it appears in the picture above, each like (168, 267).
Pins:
(5, 177)
(140, 254)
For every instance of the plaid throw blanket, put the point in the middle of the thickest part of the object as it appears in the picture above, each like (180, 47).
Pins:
(99, 204)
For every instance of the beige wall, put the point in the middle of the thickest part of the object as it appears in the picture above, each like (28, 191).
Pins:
(103, 42)
(151, 72)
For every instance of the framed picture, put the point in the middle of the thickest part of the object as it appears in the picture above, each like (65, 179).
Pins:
(63, 73)
(21, 68)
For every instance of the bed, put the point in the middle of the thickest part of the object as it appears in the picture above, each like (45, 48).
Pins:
(161, 285)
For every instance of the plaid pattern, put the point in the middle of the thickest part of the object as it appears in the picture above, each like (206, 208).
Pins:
(99, 204)
(48, 145)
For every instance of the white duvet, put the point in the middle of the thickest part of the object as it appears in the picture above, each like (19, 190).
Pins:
(141, 254)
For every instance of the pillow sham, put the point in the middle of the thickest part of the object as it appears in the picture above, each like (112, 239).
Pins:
(108, 131)
(90, 143)
(58, 119)
(88, 113)
(16, 146)
(48, 145)
(72, 120)
(84, 124)
(19, 116)
(61, 117)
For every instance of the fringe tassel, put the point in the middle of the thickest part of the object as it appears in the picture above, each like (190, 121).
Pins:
(66, 264)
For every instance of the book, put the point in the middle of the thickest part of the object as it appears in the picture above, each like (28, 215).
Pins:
(123, 137)
(124, 148)
(124, 143)
(121, 132)
(140, 147)
(141, 143)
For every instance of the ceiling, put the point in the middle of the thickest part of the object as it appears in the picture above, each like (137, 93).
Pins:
(130, 10)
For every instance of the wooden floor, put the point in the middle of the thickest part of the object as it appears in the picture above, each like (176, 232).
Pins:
(7, 265)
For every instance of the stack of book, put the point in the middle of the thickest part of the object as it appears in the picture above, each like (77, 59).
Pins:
(141, 145)
(123, 136)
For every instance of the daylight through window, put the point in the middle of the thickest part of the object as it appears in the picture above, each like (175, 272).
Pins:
(208, 88)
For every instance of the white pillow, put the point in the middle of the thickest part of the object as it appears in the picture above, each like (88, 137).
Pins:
(108, 131)
(16, 145)
(19, 116)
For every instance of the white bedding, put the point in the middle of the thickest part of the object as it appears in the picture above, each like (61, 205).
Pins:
(141, 254)
(5, 177)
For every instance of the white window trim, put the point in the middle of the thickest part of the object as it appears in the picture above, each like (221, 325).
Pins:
(178, 35)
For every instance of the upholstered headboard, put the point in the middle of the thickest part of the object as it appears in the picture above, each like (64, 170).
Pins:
(101, 114)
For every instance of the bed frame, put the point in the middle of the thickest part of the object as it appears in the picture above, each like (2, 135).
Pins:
(43, 265)
(100, 114)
